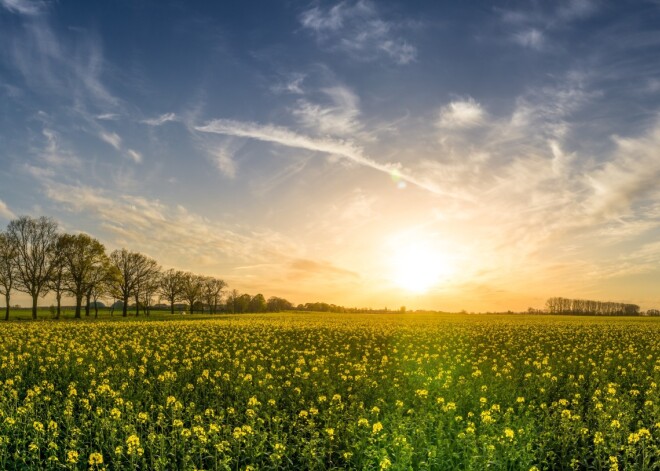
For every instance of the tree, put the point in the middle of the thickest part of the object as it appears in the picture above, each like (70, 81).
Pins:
(257, 303)
(125, 268)
(243, 303)
(57, 282)
(35, 243)
(171, 287)
(146, 274)
(276, 304)
(98, 284)
(7, 269)
(148, 288)
(192, 289)
(212, 292)
(232, 300)
(86, 264)
(100, 287)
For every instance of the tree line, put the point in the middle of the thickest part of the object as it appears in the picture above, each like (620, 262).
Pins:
(559, 305)
(37, 259)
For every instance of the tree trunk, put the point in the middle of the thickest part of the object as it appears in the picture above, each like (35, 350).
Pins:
(7, 304)
(125, 307)
(78, 304)
(59, 305)
(172, 306)
(35, 299)
(89, 295)
(137, 306)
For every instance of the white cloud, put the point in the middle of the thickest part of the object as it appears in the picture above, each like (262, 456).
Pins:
(108, 116)
(160, 120)
(177, 236)
(23, 7)
(5, 212)
(326, 145)
(111, 138)
(49, 65)
(292, 85)
(134, 155)
(358, 29)
(338, 118)
(631, 175)
(54, 155)
(576, 9)
(461, 114)
(223, 161)
(532, 38)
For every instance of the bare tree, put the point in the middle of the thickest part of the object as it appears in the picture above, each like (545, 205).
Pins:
(35, 242)
(125, 268)
(57, 281)
(212, 292)
(100, 286)
(83, 257)
(171, 287)
(148, 289)
(7, 270)
(97, 284)
(192, 289)
(146, 280)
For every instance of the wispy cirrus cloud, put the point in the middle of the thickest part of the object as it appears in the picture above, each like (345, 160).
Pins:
(134, 155)
(23, 7)
(532, 38)
(111, 138)
(535, 25)
(461, 114)
(57, 66)
(107, 116)
(293, 84)
(222, 159)
(160, 120)
(334, 147)
(210, 248)
(358, 29)
(54, 155)
(338, 117)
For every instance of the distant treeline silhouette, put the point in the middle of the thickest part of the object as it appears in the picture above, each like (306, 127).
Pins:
(558, 305)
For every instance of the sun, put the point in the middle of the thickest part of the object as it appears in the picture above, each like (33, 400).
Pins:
(418, 267)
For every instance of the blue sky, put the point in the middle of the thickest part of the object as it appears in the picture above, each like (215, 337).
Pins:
(318, 150)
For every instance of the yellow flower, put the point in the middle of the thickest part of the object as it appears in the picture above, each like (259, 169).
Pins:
(72, 456)
(377, 427)
(614, 463)
(95, 458)
(598, 438)
(385, 463)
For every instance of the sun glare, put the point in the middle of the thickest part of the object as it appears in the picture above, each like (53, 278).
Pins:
(418, 267)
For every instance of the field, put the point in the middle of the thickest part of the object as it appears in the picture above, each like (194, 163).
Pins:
(319, 391)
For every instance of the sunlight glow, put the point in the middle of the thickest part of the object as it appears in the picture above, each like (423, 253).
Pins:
(417, 267)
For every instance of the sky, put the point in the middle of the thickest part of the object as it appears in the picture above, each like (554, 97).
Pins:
(479, 156)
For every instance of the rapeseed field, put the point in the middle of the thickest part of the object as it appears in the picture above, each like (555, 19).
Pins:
(332, 391)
